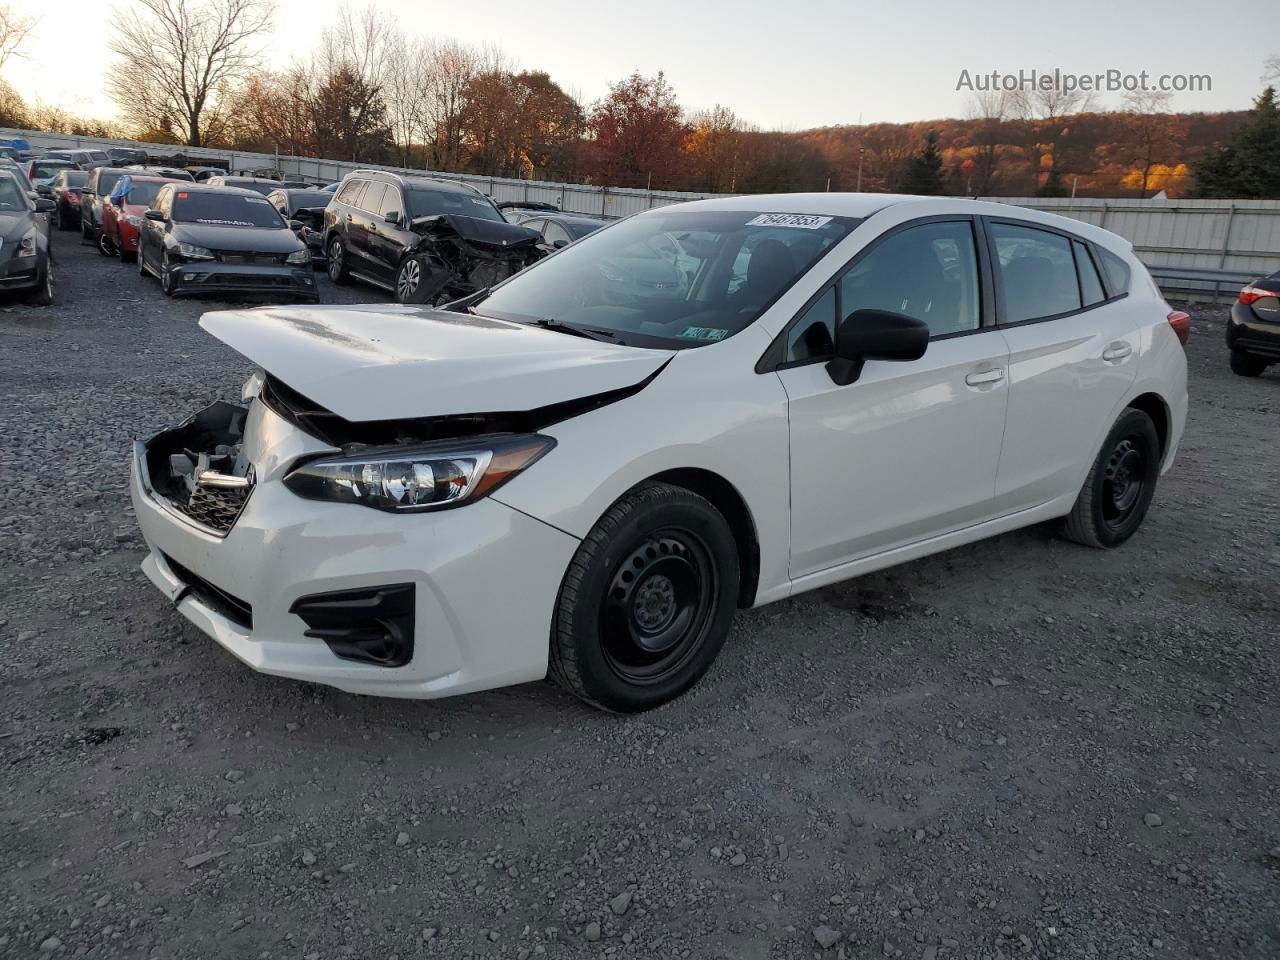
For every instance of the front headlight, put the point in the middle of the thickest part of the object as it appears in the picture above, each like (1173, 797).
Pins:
(190, 251)
(299, 257)
(133, 221)
(27, 245)
(412, 479)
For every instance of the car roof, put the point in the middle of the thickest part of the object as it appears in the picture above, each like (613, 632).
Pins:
(150, 178)
(864, 205)
(245, 179)
(416, 183)
(189, 187)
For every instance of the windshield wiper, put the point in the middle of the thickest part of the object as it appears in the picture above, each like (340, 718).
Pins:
(550, 323)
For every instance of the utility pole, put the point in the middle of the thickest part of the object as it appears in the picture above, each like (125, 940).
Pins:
(861, 150)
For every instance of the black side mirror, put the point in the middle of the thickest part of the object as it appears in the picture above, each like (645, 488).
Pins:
(557, 244)
(44, 205)
(156, 215)
(875, 335)
(392, 216)
(296, 225)
(44, 190)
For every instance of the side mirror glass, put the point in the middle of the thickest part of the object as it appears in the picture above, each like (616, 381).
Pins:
(155, 215)
(875, 335)
(392, 216)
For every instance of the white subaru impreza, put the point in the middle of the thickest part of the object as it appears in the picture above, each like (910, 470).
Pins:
(584, 470)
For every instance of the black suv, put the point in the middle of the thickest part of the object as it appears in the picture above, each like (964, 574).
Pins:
(424, 240)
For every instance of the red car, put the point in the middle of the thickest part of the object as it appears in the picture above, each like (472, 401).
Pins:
(122, 214)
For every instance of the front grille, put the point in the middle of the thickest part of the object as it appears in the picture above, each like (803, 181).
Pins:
(230, 606)
(242, 256)
(214, 507)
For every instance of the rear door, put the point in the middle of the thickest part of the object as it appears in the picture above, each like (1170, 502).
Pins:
(909, 450)
(361, 228)
(1073, 354)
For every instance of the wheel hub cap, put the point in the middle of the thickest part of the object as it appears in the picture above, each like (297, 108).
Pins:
(408, 278)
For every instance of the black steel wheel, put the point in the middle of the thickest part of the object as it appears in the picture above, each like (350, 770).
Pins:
(1118, 490)
(647, 600)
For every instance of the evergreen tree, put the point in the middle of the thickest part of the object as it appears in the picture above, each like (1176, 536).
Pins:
(923, 172)
(1248, 167)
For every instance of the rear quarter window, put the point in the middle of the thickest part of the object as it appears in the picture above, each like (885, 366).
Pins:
(1117, 271)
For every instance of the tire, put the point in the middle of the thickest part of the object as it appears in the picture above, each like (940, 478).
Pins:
(166, 284)
(86, 233)
(647, 600)
(1120, 485)
(42, 296)
(337, 263)
(106, 246)
(1247, 364)
(142, 267)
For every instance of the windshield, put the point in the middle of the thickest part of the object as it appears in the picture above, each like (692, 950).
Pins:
(76, 178)
(678, 279)
(312, 198)
(224, 209)
(143, 193)
(49, 168)
(433, 203)
(106, 181)
(12, 196)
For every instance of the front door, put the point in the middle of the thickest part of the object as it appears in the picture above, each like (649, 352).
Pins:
(909, 450)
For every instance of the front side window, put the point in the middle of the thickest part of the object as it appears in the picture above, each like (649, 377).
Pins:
(671, 278)
(224, 209)
(106, 181)
(12, 197)
(928, 271)
(142, 193)
(554, 233)
(1037, 270)
(390, 201)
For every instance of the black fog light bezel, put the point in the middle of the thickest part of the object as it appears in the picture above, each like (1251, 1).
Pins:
(372, 625)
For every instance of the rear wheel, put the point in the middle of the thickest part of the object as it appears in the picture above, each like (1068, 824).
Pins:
(1120, 485)
(106, 246)
(337, 266)
(1247, 364)
(647, 600)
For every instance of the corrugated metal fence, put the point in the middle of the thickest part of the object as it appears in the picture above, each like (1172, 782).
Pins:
(1179, 239)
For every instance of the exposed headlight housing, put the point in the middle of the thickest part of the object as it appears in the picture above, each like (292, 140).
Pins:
(253, 386)
(299, 257)
(27, 245)
(189, 251)
(433, 476)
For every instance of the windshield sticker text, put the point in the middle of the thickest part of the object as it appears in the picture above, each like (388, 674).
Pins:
(224, 223)
(802, 221)
(703, 333)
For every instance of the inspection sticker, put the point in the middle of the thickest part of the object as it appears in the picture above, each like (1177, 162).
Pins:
(804, 221)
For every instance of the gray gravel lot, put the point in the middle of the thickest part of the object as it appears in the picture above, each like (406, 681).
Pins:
(1022, 748)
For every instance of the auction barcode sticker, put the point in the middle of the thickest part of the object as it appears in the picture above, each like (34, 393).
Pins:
(805, 221)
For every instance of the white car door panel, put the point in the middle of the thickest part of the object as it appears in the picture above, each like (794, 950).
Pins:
(906, 452)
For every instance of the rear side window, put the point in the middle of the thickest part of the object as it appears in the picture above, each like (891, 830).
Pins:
(1037, 272)
(1090, 284)
(1117, 272)
(350, 192)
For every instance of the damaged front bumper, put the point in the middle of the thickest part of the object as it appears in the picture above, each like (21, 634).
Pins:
(217, 277)
(275, 587)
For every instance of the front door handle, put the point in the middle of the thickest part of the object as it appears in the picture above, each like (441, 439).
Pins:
(1116, 351)
(982, 378)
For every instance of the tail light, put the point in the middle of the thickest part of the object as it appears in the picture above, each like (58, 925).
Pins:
(1250, 294)
(1181, 323)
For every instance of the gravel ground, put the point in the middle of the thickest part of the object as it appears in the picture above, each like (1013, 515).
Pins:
(1021, 748)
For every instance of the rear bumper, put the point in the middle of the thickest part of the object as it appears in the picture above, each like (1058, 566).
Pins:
(1246, 332)
(484, 577)
(210, 277)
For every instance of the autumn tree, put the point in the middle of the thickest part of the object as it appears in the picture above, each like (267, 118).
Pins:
(179, 58)
(452, 68)
(988, 111)
(714, 147)
(923, 173)
(1043, 115)
(1152, 133)
(273, 111)
(637, 135)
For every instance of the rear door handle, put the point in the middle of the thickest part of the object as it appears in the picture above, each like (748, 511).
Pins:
(1116, 351)
(981, 378)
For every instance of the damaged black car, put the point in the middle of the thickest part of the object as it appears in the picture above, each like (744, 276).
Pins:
(424, 240)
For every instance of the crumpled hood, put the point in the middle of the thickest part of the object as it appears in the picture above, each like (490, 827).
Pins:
(487, 233)
(394, 361)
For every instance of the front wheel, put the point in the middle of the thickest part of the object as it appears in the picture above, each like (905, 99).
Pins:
(106, 246)
(647, 600)
(166, 278)
(1247, 364)
(42, 296)
(1116, 494)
